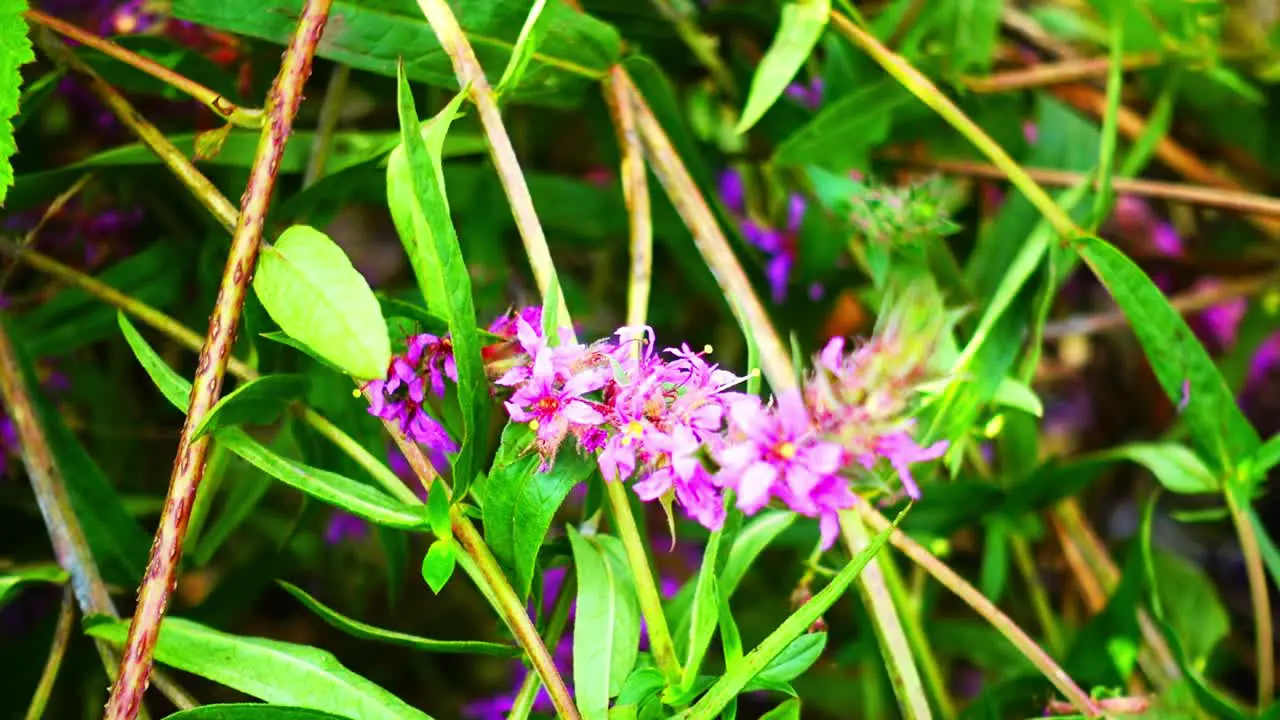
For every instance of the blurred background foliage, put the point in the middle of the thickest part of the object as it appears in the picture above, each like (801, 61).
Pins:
(1043, 514)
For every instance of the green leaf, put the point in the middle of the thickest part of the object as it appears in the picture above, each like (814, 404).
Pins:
(1264, 459)
(276, 672)
(447, 270)
(606, 635)
(575, 52)
(1182, 365)
(802, 24)
(438, 511)
(252, 711)
(705, 612)
(279, 336)
(526, 45)
(259, 402)
(842, 134)
(520, 501)
(1176, 467)
(788, 710)
(355, 497)
(15, 51)
(1191, 605)
(10, 581)
(794, 659)
(754, 537)
(369, 632)
(438, 564)
(311, 290)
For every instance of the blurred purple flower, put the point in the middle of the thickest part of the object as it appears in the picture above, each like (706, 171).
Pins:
(780, 245)
(809, 95)
(345, 527)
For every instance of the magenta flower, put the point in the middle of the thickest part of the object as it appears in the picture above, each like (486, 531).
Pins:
(902, 452)
(809, 95)
(400, 398)
(695, 488)
(432, 357)
(554, 406)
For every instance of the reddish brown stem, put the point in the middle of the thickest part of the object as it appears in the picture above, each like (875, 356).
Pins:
(188, 468)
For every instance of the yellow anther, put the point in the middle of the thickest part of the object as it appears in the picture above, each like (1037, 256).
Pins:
(633, 429)
(707, 349)
(533, 425)
(355, 393)
(786, 451)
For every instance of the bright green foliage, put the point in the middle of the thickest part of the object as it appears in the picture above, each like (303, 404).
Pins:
(800, 31)
(15, 51)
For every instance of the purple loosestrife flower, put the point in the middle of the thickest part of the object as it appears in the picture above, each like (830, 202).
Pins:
(780, 245)
(809, 95)
(400, 397)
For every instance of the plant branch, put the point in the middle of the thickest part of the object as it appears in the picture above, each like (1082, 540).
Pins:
(888, 626)
(70, 546)
(635, 192)
(153, 595)
(1258, 594)
(229, 111)
(171, 156)
(975, 599)
(1202, 195)
(57, 650)
(1065, 71)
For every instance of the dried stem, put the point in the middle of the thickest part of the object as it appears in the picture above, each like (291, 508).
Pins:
(1202, 195)
(1186, 303)
(57, 650)
(471, 74)
(232, 113)
(153, 595)
(1258, 595)
(635, 192)
(1071, 70)
(1001, 622)
(70, 546)
(171, 156)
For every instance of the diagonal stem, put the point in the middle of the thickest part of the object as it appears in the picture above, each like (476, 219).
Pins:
(153, 595)
(232, 113)
(57, 650)
(149, 134)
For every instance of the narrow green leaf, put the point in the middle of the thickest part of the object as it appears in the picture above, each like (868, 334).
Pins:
(311, 290)
(842, 134)
(276, 672)
(1185, 371)
(259, 401)
(754, 537)
(1177, 468)
(281, 337)
(15, 51)
(576, 51)
(802, 24)
(738, 675)
(522, 53)
(355, 497)
(606, 635)
(447, 271)
(438, 564)
(520, 501)
(252, 711)
(10, 581)
(438, 511)
(369, 632)
(788, 710)
(705, 612)
(794, 659)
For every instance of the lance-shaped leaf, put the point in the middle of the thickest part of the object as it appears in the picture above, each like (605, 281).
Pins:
(573, 54)
(606, 634)
(311, 290)
(15, 51)
(801, 28)
(366, 631)
(10, 581)
(271, 670)
(443, 274)
(259, 401)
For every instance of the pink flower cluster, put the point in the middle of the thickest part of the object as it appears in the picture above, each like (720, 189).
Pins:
(672, 423)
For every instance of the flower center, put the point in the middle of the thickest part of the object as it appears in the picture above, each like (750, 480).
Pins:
(632, 432)
(786, 450)
(546, 406)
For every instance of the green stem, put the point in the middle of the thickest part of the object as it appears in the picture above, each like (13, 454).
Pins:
(1039, 597)
(330, 113)
(173, 158)
(1259, 595)
(738, 674)
(635, 192)
(888, 627)
(992, 614)
(921, 649)
(930, 95)
(528, 692)
(57, 650)
(251, 118)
